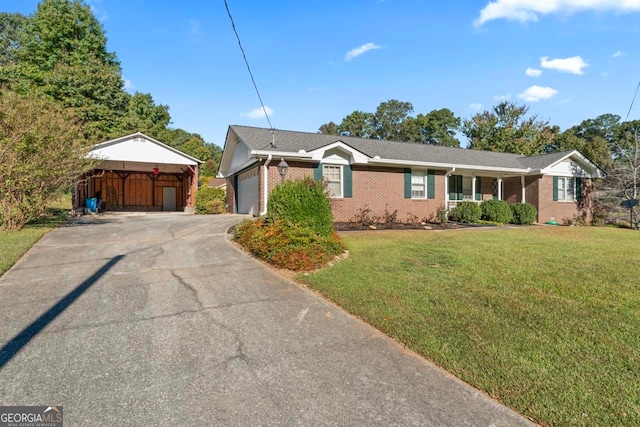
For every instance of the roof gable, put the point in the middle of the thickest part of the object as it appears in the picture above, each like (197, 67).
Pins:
(140, 148)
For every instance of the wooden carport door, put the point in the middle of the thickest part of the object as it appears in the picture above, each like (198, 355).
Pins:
(168, 198)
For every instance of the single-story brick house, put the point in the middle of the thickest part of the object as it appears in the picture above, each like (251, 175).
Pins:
(138, 173)
(415, 179)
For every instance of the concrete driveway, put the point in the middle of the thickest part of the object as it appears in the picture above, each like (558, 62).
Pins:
(159, 320)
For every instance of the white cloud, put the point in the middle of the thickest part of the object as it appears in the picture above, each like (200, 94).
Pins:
(619, 53)
(475, 106)
(100, 14)
(573, 65)
(537, 93)
(502, 97)
(532, 72)
(258, 113)
(128, 85)
(354, 53)
(530, 10)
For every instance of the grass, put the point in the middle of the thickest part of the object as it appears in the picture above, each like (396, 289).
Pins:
(14, 244)
(544, 319)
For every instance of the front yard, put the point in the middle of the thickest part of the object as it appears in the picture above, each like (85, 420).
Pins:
(544, 319)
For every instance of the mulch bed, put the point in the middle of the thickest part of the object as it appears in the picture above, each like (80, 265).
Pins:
(353, 226)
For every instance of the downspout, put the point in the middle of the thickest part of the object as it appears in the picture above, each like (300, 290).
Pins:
(265, 184)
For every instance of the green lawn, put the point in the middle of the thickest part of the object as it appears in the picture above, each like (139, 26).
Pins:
(13, 244)
(544, 319)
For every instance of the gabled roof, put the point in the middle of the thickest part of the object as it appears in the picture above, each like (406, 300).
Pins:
(140, 148)
(259, 141)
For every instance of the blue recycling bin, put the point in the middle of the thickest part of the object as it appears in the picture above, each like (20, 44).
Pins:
(91, 204)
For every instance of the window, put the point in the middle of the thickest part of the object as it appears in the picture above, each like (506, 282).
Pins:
(566, 189)
(460, 187)
(418, 183)
(332, 174)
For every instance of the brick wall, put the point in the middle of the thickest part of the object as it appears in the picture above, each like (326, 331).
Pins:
(548, 209)
(376, 188)
(231, 195)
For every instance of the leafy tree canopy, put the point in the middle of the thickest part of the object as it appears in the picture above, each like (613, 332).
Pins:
(393, 121)
(506, 128)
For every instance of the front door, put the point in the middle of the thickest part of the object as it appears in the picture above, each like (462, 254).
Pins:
(169, 199)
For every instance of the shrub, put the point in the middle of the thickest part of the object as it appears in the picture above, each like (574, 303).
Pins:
(215, 207)
(523, 213)
(205, 198)
(466, 212)
(496, 211)
(288, 245)
(303, 203)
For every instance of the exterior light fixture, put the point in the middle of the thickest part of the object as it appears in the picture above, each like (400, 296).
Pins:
(283, 167)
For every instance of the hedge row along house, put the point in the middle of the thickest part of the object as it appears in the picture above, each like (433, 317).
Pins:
(138, 173)
(417, 180)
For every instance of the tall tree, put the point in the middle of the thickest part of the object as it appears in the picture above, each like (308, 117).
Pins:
(388, 120)
(358, 124)
(329, 129)
(438, 127)
(143, 115)
(12, 28)
(508, 129)
(63, 55)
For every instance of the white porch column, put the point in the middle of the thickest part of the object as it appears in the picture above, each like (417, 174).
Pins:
(446, 191)
(522, 184)
(499, 188)
(473, 188)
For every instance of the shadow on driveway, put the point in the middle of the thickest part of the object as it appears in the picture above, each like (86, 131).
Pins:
(13, 347)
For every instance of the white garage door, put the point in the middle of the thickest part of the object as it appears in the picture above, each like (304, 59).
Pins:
(248, 192)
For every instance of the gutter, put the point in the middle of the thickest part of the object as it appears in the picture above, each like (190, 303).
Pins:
(265, 183)
(445, 165)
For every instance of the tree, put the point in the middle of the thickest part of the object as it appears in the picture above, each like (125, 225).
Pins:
(388, 120)
(507, 129)
(438, 127)
(357, 124)
(143, 115)
(63, 54)
(42, 154)
(12, 27)
(329, 129)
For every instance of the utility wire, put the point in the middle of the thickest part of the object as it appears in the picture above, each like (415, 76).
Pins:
(264, 110)
(632, 101)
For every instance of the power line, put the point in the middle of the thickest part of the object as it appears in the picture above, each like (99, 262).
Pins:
(264, 110)
(632, 101)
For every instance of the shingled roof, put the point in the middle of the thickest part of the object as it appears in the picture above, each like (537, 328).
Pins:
(291, 141)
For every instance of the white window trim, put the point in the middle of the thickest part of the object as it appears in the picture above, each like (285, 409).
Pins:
(566, 180)
(424, 183)
(331, 196)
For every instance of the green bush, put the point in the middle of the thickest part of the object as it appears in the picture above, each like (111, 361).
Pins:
(205, 198)
(466, 212)
(288, 245)
(303, 203)
(496, 211)
(215, 207)
(524, 213)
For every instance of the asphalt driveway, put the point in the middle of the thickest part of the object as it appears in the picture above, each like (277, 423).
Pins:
(159, 320)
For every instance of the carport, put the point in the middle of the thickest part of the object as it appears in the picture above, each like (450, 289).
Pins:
(139, 173)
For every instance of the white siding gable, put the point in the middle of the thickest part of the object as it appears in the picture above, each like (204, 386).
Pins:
(139, 149)
(567, 168)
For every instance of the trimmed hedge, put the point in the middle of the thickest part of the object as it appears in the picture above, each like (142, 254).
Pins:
(524, 213)
(211, 200)
(468, 212)
(301, 202)
(496, 211)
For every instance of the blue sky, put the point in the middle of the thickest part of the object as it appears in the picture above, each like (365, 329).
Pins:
(582, 57)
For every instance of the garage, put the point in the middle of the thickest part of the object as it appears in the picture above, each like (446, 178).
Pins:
(248, 192)
(139, 173)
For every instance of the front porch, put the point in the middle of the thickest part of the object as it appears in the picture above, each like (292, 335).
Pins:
(474, 187)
